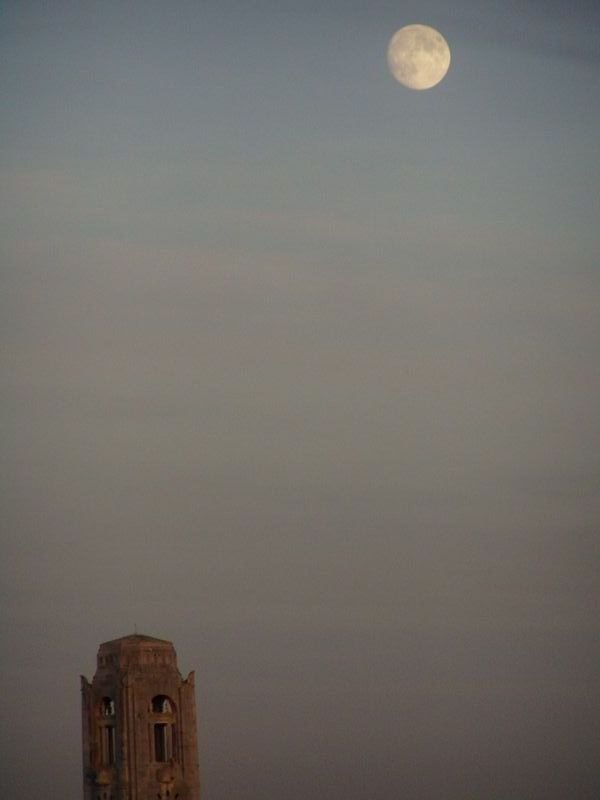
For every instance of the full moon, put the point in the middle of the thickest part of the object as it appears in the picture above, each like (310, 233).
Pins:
(418, 56)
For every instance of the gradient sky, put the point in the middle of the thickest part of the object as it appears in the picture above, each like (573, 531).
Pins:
(300, 371)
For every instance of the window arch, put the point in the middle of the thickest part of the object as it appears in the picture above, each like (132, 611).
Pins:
(161, 704)
(107, 707)
(164, 732)
(106, 732)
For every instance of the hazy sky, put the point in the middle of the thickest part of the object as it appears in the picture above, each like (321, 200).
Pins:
(300, 371)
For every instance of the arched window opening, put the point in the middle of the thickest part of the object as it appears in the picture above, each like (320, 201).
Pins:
(162, 705)
(108, 707)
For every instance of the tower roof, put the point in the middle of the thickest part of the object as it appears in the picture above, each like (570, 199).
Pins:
(136, 638)
(135, 649)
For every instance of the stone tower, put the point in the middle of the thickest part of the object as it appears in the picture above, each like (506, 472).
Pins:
(139, 724)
